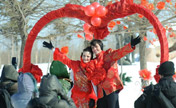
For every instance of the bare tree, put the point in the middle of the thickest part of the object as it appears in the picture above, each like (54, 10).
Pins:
(16, 16)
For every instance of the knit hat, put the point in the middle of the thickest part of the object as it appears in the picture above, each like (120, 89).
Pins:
(167, 69)
(59, 69)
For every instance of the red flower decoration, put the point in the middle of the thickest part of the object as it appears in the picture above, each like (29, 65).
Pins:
(161, 5)
(170, 29)
(140, 16)
(89, 37)
(79, 36)
(64, 49)
(144, 3)
(145, 38)
(124, 27)
(111, 25)
(168, 1)
(145, 74)
(118, 22)
(151, 6)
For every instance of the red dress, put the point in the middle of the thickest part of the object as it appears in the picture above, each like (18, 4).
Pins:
(82, 90)
(108, 59)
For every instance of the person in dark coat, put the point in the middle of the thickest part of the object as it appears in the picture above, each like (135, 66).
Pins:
(49, 92)
(163, 94)
(9, 75)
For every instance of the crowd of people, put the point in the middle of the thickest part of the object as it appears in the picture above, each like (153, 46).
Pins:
(95, 82)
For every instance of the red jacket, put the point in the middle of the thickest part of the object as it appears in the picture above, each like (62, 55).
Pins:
(109, 59)
(82, 90)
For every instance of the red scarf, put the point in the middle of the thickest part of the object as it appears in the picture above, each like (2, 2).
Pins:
(82, 64)
(99, 58)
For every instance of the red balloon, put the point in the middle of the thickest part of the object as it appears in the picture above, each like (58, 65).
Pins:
(95, 21)
(101, 11)
(86, 27)
(89, 10)
(95, 5)
(89, 37)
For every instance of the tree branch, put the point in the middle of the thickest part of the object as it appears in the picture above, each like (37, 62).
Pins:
(24, 19)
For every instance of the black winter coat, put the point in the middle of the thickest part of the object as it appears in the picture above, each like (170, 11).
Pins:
(49, 90)
(9, 75)
(161, 95)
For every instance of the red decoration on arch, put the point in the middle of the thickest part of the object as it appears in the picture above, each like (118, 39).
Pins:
(145, 74)
(168, 1)
(160, 5)
(116, 10)
(65, 49)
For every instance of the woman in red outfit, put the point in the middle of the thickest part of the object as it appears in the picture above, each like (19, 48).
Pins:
(82, 92)
(109, 87)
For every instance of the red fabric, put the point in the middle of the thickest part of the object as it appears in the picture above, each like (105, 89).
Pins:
(157, 76)
(34, 70)
(145, 74)
(116, 10)
(82, 64)
(82, 90)
(112, 80)
(95, 72)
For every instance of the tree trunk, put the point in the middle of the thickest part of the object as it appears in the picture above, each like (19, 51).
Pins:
(12, 47)
(119, 45)
(36, 56)
(23, 42)
(132, 56)
(143, 62)
(142, 52)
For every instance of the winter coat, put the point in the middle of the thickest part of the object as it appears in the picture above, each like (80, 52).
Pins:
(50, 89)
(109, 59)
(26, 88)
(162, 95)
(9, 75)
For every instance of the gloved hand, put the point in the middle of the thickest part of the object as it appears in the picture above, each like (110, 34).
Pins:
(48, 45)
(135, 41)
(91, 103)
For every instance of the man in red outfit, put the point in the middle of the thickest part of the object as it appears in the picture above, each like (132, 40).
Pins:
(109, 88)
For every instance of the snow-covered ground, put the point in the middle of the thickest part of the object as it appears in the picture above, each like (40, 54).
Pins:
(131, 90)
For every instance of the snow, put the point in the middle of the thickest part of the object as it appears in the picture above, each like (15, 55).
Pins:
(132, 90)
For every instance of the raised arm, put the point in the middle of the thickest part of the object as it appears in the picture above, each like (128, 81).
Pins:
(63, 58)
(59, 55)
(114, 55)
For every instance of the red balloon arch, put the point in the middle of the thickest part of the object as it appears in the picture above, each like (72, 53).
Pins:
(116, 10)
